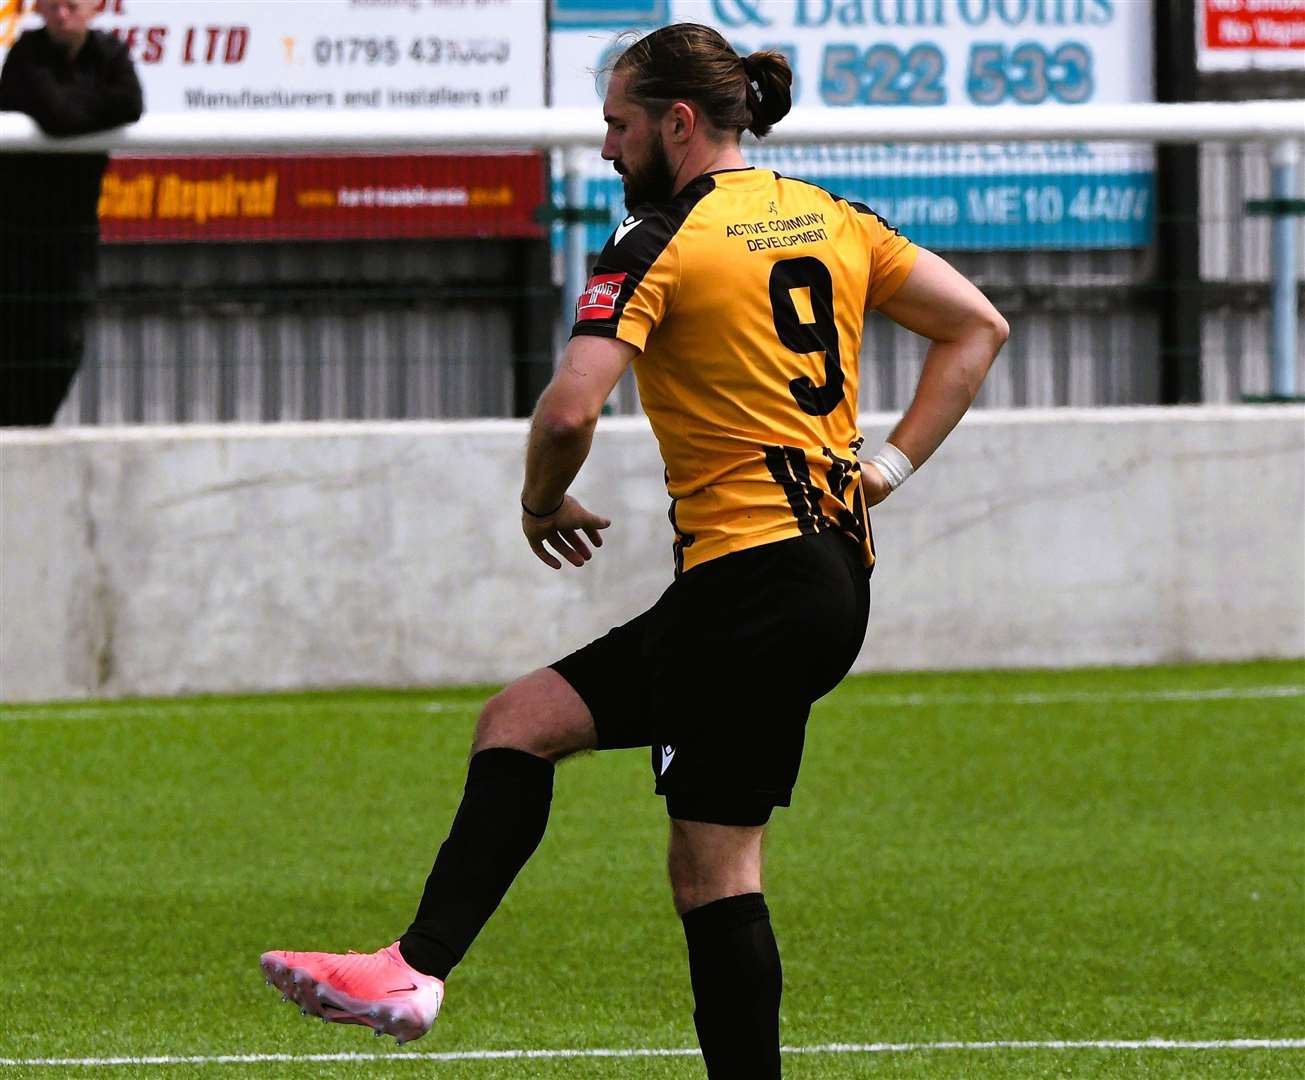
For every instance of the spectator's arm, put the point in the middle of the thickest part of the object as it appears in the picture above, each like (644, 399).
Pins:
(56, 109)
(27, 87)
(120, 98)
(12, 98)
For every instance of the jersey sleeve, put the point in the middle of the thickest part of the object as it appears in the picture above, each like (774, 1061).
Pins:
(892, 256)
(633, 283)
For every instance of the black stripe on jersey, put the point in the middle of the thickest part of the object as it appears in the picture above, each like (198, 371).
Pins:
(632, 249)
(859, 207)
(798, 464)
(859, 507)
(682, 539)
(841, 476)
(779, 462)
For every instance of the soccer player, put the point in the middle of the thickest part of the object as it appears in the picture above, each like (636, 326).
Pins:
(740, 297)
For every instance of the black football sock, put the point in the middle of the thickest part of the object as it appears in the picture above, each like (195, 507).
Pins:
(737, 981)
(501, 820)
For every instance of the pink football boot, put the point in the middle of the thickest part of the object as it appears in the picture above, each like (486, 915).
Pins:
(378, 990)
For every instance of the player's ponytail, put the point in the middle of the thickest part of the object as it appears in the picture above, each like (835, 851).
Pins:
(769, 90)
(694, 63)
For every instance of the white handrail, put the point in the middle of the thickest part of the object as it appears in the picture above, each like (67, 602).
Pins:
(541, 128)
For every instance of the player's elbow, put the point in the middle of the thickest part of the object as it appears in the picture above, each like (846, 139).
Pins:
(998, 328)
(561, 413)
(987, 324)
(987, 333)
(562, 422)
(984, 334)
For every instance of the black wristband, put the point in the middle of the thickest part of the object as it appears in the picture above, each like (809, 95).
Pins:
(530, 513)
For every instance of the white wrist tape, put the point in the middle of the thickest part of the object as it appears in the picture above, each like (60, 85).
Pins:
(895, 465)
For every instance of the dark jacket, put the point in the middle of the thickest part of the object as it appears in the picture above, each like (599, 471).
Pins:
(94, 91)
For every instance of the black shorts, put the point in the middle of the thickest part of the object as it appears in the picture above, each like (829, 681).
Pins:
(719, 675)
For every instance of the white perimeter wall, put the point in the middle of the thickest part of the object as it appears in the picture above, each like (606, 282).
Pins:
(180, 560)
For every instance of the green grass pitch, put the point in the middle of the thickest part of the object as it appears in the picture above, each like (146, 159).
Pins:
(1091, 855)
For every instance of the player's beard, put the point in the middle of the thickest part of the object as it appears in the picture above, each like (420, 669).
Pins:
(651, 181)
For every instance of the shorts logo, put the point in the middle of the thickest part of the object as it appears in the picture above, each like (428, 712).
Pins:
(598, 301)
(668, 755)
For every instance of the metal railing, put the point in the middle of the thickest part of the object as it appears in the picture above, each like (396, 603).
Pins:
(175, 338)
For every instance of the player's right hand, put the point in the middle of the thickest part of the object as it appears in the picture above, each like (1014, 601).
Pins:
(562, 532)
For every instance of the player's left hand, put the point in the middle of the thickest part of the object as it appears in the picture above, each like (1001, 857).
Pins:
(874, 485)
(561, 530)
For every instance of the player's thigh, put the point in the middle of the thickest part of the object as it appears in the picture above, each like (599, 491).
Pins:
(620, 683)
(540, 713)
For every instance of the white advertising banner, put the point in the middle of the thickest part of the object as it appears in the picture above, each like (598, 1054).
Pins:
(927, 54)
(325, 55)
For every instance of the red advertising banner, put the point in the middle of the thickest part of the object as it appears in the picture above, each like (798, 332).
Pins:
(322, 197)
(1254, 24)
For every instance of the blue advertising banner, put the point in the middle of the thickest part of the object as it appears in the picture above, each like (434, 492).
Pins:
(973, 212)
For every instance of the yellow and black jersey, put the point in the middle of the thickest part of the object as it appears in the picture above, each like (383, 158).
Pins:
(746, 294)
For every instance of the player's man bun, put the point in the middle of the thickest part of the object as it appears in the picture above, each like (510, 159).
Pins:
(694, 63)
(769, 90)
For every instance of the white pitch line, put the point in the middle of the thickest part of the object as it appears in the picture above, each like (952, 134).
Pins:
(1069, 697)
(655, 1052)
(1074, 697)
(208, 708)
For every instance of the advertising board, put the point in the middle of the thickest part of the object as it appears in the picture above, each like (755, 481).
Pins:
(373, 196)
(925, 54)
(1241, 35)
(315, 56)
(324, 55)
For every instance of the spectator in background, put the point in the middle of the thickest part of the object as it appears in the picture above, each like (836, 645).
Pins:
(72, 81)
